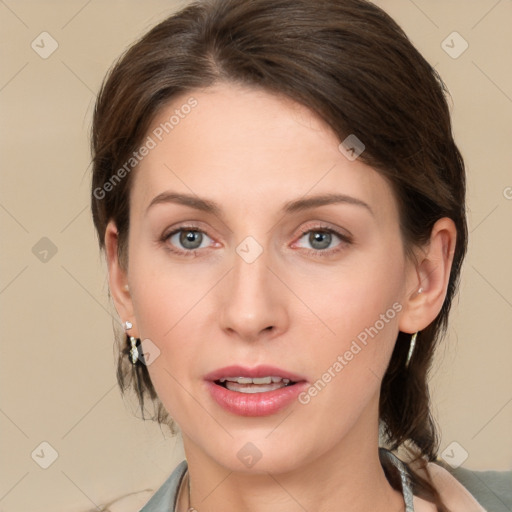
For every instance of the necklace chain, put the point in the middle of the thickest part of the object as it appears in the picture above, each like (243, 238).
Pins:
(187, 484)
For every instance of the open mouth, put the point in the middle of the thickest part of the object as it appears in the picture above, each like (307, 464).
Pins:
(253, 385)
(254, 391)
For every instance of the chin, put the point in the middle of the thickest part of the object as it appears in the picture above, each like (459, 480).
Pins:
(256, 454)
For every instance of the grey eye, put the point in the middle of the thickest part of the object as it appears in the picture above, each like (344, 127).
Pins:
(320, 239)
(189, 239)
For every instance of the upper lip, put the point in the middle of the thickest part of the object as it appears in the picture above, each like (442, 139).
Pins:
(257, 371)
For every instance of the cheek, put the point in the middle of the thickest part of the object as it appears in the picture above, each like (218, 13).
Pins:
(359, 312)
(166, 323)
(164, 295)
(352, 301)
(167, 306)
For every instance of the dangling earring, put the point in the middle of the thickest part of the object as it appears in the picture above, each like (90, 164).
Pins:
(134, 342)
(134, 351)
(411, 349)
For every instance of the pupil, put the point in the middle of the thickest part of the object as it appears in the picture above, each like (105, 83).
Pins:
(190, 239)
(320, 240)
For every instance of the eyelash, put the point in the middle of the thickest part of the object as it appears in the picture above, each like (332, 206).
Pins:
(344, 240)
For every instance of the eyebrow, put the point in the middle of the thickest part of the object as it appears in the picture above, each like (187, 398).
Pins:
(186, 200)
(289, 207)
(323, 200)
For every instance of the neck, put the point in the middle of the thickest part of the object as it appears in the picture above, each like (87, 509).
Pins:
(348, 476)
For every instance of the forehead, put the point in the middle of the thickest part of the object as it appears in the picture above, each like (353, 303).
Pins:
(246, 146)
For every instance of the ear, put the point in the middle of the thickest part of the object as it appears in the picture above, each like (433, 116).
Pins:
(118, 277)
(430, 274)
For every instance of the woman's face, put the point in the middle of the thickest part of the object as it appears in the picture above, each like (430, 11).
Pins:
(255, 242)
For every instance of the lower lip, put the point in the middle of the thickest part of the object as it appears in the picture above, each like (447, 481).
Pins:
(255, 404)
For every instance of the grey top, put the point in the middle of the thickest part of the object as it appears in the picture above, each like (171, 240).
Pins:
(492, 489)
(164, 500)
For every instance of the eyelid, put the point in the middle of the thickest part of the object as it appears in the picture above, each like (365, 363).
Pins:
(345, 239)
(165, 238)
(344, 234)
(184, 226)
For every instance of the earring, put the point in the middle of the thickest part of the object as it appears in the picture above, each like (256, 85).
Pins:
(134, 343)
(134, 351)
(411, 349)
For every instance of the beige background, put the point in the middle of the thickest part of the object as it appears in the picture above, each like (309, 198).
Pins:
(57, 367)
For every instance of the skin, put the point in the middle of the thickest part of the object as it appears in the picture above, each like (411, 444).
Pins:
(252, 152)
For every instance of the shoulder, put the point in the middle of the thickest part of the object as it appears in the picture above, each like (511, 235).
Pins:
(465, 490)
(493, 489)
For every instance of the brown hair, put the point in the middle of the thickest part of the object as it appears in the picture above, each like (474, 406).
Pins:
(353, 66)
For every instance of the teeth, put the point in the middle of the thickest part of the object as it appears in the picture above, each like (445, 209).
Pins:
(256, 380)
(254, 385)
(277, 379)
(243, 380)
(251, 388)
(262, 380)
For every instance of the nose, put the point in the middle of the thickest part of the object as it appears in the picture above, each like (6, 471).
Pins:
(254, 302)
